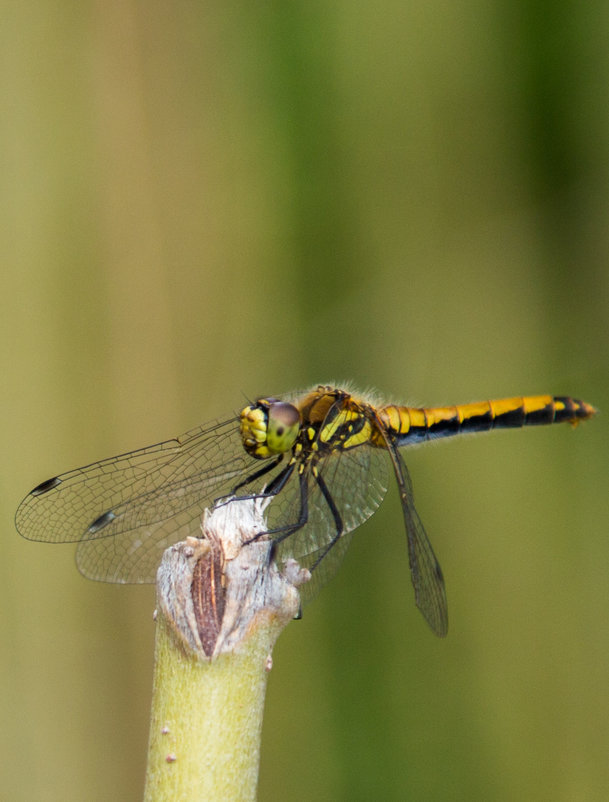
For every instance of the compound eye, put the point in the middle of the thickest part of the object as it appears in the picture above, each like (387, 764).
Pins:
(283, 427)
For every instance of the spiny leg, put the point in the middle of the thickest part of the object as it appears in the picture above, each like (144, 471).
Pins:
(279, 482)
(303, 515)
(275, 487)
(222, 500)
(287, 531)
(338, 521)
(260, 472)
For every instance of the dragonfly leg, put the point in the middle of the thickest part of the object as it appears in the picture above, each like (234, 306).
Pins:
(303, 515)
(273, 489)
(338, 521)
(260, 472)
(275, 486)
(279, 482)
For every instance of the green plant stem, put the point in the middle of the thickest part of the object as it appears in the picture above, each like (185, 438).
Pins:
(206, 721)
(221, 604)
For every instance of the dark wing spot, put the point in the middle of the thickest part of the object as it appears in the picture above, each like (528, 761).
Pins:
(101, 522)
(44, 487)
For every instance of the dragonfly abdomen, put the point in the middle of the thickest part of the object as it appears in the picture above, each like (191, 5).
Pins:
(412, 425)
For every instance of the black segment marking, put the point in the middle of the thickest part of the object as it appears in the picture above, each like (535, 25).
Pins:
(445, 428)
(542, 416)
(514, 419)
(572, 410)
(478, 423)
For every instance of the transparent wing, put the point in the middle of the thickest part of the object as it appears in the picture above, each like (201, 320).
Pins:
(134, 557)
(126, 510)
(134, 489)
(357, 481)
(425, 571)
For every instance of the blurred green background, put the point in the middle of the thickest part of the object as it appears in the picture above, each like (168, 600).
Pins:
(206, 201)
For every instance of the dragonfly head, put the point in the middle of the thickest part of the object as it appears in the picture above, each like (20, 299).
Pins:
(269, 427)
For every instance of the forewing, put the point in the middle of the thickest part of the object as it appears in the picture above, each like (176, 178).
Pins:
(137, 489)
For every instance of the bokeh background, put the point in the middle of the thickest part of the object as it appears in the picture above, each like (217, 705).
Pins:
(207, 201)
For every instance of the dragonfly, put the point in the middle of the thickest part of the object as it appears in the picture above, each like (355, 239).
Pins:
(322, 458)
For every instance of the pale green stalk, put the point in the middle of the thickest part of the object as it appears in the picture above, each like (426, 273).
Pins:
(207, 710)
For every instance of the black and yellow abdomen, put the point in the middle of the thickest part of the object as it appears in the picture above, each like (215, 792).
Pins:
(412, 425)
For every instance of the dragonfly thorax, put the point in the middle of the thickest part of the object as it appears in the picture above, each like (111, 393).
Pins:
(269, 427)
